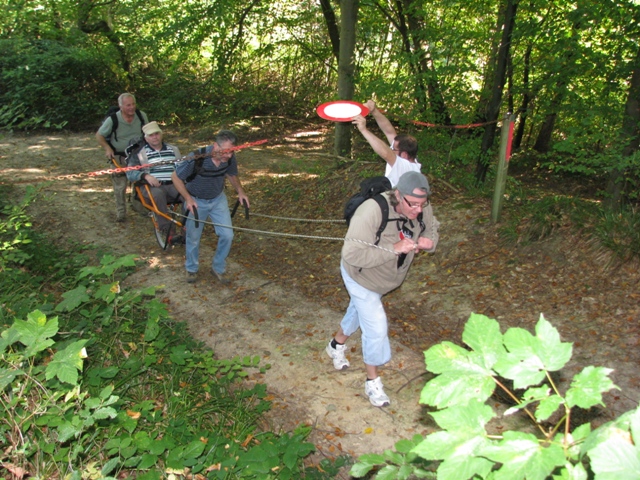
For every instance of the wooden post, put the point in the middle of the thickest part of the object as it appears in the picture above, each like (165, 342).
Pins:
(506, 137)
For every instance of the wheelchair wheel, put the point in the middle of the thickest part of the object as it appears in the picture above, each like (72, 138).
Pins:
(164, 237)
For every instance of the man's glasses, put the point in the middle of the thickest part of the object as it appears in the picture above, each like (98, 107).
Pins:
(415, 204)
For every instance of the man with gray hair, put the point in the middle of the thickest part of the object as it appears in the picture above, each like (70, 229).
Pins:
(372, 268)
(200, 179)
(114, 135)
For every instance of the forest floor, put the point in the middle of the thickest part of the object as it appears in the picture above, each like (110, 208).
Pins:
(286, 297)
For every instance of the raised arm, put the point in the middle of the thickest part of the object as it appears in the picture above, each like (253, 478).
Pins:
(378, 145)
(383, 122)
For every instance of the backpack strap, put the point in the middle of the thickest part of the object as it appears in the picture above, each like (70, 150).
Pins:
(198, 168)
(114, 125)
(115, 122)
(384, 208)
(139, 114)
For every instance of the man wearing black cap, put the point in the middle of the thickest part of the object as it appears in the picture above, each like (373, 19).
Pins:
(369, 271)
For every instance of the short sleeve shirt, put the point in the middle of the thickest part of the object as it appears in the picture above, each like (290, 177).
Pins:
(402, 165)
(126, 131)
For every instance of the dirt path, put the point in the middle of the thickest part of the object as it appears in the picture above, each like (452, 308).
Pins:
(286, 298)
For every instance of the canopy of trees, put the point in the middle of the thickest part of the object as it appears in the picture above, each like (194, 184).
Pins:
(569, 70)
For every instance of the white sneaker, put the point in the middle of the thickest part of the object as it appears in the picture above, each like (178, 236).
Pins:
(340, 362)
(375, 392)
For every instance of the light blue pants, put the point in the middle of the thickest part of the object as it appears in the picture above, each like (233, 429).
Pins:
(365, 311)
(216, 210)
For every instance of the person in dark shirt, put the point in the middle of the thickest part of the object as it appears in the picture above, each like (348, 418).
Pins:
(203, 188)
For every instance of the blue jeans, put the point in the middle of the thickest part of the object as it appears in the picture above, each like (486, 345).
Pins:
(217, 210)
(365, 311)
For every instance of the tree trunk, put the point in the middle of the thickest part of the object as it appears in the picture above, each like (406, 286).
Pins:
(332, 27)
(629, 137)
(493, 108)
(526, 99)
(348, 22)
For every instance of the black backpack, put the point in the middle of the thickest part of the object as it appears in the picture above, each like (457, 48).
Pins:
(198, 168)
(135, 145)
(112, 113)
(370, 188)
(373, 187)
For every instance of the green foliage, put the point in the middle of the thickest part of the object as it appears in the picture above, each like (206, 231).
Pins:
(99, 382)
(46, 84)
(466, 378)
(619, 232)
(15, 232)
(533, 219)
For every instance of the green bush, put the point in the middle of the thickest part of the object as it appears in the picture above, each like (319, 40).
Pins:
(47, 84)
(466, 378)
(97, 381)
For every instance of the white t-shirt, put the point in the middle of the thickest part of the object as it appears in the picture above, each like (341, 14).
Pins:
(401, 166)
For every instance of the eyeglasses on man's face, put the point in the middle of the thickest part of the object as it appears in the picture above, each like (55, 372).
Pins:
(419, 205)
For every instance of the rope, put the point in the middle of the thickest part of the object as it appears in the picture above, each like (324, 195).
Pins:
(293, 219)
(293, 235)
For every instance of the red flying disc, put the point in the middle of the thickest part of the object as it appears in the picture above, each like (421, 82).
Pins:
(341, 110)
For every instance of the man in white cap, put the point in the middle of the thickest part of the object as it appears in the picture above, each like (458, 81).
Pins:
(370, 270)
(400, 152)
(114, 135)
(157, 177)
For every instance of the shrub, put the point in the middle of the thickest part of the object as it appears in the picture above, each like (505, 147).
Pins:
(465, 380)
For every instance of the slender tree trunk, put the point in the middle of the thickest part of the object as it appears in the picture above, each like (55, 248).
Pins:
(493, 108)
(629, 137)
(346, 68)
(332, 27)
(526, 98)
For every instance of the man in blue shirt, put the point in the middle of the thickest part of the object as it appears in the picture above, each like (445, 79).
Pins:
(200, 181)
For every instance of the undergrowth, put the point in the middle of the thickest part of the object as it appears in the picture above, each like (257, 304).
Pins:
(614, 235)
(98, 381)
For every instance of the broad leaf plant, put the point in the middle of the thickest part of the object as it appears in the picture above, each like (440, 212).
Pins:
(546, 448)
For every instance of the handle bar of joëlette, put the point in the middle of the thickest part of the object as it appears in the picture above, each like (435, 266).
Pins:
(195, 216)
(246, 209)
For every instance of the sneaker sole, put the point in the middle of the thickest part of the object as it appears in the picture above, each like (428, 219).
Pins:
(383, 404)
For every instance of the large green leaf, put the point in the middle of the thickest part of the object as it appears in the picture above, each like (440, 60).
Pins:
(483, 335)
(447, 390)
(8, 338)
(456, 449)
(523, 368)
(470, 418)
(66, 363)
(553, 353)
(448, 357)
(522, 457)
(73, 299)
(616, 459)
(588, 386)
(36, 332)
(548, 407)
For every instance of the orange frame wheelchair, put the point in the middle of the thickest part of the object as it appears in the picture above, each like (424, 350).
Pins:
(176, 233)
